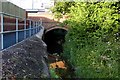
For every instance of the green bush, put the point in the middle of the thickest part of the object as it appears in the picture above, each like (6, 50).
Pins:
(53, 73)
(93, 41)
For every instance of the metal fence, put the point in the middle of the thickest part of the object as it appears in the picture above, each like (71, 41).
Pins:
(14, 29)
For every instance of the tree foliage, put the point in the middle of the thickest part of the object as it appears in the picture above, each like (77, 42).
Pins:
(93, 41)
(61, 8)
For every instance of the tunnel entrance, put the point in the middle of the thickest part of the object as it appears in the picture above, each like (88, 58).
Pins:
(54, 40)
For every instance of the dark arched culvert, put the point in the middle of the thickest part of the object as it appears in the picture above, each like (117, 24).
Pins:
(54, 39)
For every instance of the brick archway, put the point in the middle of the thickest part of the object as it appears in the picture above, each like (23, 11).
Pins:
(57, 27)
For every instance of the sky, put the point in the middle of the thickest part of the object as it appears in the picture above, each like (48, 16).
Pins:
(27, 4)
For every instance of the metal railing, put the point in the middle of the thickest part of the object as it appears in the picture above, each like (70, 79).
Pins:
(14, 29)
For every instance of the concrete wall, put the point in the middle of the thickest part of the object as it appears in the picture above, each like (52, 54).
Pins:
(27, 59)
(10, 8)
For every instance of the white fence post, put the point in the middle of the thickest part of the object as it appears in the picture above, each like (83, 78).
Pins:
(40, 26)
(30, 28)
(36, 26)
(16, 30)
(24, 28)
(2, 27)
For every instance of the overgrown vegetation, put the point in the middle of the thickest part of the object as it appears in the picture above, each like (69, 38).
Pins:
(53, 73)
(92, 44)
